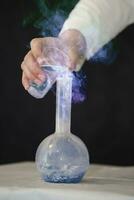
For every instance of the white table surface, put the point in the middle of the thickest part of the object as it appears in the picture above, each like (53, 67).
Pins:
(22, 182)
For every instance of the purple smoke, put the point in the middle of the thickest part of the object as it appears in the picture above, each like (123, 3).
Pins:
(79, 87)
(106, 55)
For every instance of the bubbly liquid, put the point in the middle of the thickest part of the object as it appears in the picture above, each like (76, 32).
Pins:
(58, 178)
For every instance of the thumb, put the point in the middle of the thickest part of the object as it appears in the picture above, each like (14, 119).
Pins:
(76, 60)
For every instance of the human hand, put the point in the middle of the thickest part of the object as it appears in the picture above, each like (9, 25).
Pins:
(67, 50)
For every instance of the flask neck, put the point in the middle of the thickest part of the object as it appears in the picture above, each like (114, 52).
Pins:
(63, 104)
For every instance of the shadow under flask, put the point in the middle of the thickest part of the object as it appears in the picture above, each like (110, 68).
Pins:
(62, 157)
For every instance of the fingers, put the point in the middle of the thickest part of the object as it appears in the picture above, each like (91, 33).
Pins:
(32, 64)
(32, 69)
(32, 76)
(27, 72)
(36, 47)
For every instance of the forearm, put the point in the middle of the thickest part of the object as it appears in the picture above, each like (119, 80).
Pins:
(100, 21)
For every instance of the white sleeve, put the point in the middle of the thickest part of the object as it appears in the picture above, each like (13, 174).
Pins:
(100, 21)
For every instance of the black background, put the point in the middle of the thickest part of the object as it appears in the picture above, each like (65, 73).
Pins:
(105, 121)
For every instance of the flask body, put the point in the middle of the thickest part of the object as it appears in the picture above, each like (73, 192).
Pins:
(62, 159)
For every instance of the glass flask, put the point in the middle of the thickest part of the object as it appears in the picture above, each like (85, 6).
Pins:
(62, 157)
(52, 61)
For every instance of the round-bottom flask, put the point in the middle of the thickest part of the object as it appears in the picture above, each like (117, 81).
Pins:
(62, 157)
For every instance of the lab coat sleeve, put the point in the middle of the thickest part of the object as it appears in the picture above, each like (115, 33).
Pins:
(100, 21)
